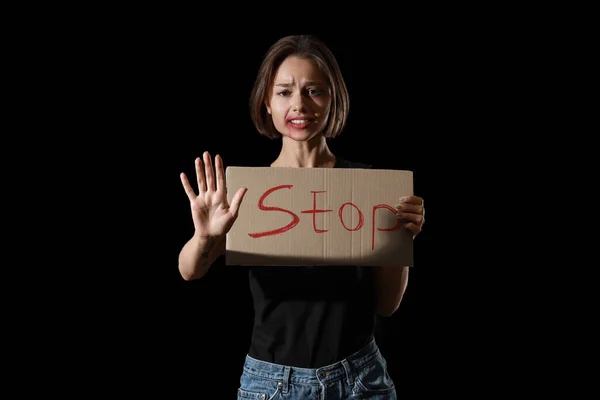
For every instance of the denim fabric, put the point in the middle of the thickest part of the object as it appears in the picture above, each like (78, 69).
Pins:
(362, 375)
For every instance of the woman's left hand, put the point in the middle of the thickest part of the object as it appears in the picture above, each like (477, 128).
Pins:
(411, 211)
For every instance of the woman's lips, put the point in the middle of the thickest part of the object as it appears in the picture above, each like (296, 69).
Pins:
(298, 123)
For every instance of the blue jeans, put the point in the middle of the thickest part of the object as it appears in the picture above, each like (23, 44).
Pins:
(362, 375)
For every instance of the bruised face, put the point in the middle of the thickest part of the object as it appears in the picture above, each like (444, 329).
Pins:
(300, 99)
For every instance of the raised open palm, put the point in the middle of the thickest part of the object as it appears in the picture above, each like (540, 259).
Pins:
(212, 214)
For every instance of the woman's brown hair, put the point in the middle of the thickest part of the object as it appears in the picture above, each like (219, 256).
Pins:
(304, 46)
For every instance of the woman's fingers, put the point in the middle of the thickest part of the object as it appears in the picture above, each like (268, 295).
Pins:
(410, 208)
(412, 200)
(220, 176)
(411, 212)
(209, 175)
(200, 178)
(410, 217)
(187, 187)
(205, 176)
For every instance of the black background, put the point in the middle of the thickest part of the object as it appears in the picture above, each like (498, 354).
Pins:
(111, 104)
(144, 104)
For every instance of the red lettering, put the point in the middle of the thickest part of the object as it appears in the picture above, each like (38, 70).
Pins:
(261, 206)
(314, 212)
(394, 228)
(361, 218)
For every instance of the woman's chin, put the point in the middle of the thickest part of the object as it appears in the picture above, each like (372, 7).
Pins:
(300, 135)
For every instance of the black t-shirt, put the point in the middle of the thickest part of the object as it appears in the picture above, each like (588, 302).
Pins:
(311, 316)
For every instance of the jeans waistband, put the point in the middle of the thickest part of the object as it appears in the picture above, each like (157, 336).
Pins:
(285, 374)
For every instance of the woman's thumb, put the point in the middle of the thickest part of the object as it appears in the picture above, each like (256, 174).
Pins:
(236, 201)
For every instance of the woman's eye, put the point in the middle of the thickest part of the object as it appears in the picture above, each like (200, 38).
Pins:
(283, 93)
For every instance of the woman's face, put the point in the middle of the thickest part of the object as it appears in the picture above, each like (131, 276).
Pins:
(300, 99)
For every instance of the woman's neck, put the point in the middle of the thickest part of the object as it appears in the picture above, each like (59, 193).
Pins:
(313, 153)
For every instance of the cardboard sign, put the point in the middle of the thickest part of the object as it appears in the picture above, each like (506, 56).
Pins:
(318, 216)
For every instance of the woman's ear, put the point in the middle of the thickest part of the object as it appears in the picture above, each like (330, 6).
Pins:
(268, 107)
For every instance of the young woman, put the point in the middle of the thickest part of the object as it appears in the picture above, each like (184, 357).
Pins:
(313, 335)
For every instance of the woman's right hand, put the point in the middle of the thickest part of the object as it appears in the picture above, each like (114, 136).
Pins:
(212, 214)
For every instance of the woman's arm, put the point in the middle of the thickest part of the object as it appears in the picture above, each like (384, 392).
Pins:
(391, 281)
(390, 285)
(198, 254)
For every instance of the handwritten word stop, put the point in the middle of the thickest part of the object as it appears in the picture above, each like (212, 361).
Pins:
(314, 211)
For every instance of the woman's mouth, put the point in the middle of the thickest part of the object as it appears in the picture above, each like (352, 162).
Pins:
(299, 123)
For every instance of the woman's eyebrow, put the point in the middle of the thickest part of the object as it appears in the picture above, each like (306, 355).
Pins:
(309, 83)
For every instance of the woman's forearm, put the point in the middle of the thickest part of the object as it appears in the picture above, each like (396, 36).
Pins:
(198, 254)
(390, 283)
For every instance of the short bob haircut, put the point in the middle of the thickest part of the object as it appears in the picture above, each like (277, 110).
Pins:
(308, 47)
